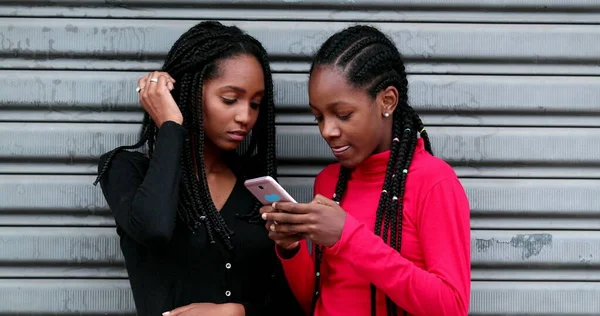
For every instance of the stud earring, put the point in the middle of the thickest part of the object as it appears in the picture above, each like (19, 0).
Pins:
(386, 114)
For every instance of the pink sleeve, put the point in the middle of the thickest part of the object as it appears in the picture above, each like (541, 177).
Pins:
(299, 270)
(443, 287)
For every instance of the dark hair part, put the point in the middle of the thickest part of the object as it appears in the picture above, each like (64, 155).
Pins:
(369, 60)
(194, 58)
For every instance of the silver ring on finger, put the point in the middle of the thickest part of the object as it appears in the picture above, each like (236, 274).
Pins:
(153, 79)
(275, 222)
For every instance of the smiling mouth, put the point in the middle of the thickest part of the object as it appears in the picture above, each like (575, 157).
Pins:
(340, 150)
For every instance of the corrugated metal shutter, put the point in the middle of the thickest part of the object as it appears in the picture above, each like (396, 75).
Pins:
(509, 88)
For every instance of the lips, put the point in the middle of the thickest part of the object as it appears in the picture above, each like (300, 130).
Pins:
(338, 150)
(237, 135)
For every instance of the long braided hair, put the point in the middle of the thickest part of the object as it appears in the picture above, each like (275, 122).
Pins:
(193, 59)
(369, 60)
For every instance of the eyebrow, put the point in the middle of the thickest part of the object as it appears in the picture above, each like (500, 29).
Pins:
(241, 90)
(238, 89)
(334, 104)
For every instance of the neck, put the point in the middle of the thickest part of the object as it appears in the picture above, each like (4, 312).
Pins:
(213, 162)
(386, 141)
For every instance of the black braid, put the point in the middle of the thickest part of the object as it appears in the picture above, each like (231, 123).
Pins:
(113, 152)
(195, 58)
(421, 128)
(337, 197)
(369, 60)
(355, 49)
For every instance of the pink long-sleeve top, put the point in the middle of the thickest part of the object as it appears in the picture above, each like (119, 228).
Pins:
(430, 276)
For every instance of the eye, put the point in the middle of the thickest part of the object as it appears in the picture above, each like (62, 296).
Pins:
(228, 101)
(318, 118)
(344, 117)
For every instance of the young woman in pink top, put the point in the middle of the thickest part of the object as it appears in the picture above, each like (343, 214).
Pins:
(388, 230)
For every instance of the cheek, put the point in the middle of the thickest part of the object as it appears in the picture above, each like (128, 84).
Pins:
(214, 113)
(361, 128)
(363, 132)
(208, 106)
(254, 118)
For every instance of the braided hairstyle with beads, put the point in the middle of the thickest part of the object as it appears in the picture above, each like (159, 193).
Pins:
(369, 60)
(193, 59)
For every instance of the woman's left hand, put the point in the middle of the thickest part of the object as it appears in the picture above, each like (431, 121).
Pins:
(321, 220)
(208, 309)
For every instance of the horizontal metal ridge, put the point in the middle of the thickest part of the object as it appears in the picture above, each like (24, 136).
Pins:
(139, 40)
(469, 147)
(94, 247)
(288, 66)
(113, 297)
(547, 5)
(435, 11)
(469, 95)
(42, 200)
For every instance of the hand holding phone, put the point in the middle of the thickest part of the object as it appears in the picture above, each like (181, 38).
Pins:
(267, 190)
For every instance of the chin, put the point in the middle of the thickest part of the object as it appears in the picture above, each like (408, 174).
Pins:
(351, 159)
(350, 163)
(229, 146)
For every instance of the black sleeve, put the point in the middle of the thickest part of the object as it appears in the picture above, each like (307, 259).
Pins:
(143, 193)
(279, 301)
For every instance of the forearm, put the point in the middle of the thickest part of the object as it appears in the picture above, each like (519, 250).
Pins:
(144, 202)
(235, 309)
(299, 271)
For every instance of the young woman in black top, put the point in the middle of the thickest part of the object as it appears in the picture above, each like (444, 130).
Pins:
(191, 234)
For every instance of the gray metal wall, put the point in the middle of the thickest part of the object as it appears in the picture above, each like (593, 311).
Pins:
(509, 89)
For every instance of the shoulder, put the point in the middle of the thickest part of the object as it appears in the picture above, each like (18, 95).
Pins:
(123, 161)
(428, 171)
(438, 192)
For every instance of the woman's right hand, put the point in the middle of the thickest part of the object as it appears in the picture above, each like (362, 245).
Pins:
(285, 241)
(157, 100)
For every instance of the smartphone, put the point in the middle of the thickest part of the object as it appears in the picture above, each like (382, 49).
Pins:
(267, 190)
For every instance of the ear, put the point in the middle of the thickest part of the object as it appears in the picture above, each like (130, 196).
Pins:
(387, 99)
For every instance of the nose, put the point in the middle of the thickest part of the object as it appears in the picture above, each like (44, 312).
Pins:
(243, 115)
(329, 129)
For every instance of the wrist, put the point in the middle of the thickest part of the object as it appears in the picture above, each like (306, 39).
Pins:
(178, 120)
(234, 309)
(171, 119)
(288, 253)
